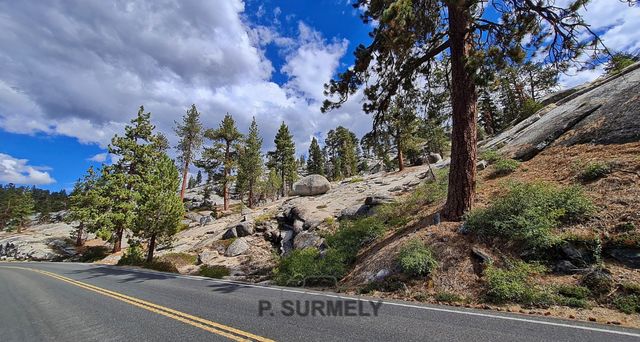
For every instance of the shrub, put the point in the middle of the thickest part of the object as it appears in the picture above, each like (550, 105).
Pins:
(132, 256)
(307, 266)
(573, 302)
(504, 167)
(528, 213)
(627, 304)
(625, 227)
(160, 265)
(416, 259)
(448, 297)
(352, 235)
(94, 253)
(595, 170)
(214, 271)
(598, 281)
(356, 179)
(179, 259)
(490, 156)
(513, 284)
(574, 291)
(631, 288)
(390, 285)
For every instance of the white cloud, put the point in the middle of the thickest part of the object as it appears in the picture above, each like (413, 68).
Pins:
(100, 157)
(17, 171)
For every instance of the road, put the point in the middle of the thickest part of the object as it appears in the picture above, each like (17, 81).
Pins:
(85, 302)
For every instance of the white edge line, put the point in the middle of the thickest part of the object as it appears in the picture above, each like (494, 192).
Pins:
(430, 308)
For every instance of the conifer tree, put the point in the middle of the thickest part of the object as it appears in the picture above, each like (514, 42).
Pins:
(160, 208)
(315, 163)
(221, 158)
(199, 178)
(250, 165)
(20, 206)
(190, 134)
(341, 149)
(283, 158)
(411, 35)
(85, 205)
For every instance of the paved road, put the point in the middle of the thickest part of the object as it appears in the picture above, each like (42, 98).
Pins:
(83, 302)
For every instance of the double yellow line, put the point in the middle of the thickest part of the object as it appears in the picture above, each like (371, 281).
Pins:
(210, 326)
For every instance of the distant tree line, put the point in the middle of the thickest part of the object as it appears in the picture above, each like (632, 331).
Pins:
(18, 204)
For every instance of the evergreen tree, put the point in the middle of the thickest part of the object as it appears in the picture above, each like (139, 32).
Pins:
(190, 134)
(137, 150)
(85, 205)
(192, 183)
(341, 149)
(619, 61)
(221, 158)
(411, 35)
(199, 178)
(488, 113)
(250, 165)
(315, 163)
(20, 208)
(283, 159)
(160, 209)
(271, 186)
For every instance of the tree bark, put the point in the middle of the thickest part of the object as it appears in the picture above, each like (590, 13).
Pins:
(80, 232)
(152, 247)
(463, 102)
(185, 170)
(251, 194)
(117, 245)
(225, 190)
(399, 147)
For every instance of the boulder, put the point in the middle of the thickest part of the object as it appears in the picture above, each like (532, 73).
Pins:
(237, 247)
(205, 257)
(434, 158)
(378, 199)
(481, 256)
(240, 229)
(357, 211)
(566, 267)
(599, 281)
(205, 220)
(628, 256)
(286, 241)
(307, 240)
(311, 185)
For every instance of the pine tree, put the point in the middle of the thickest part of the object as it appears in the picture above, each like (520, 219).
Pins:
(137, 150)
(271, 186)
(411, 35)
(250, 165)
(340, 147)
(488, 113)
(315, 163)
(199, 178)
(190, 134)
(160, 209)
(283, 159)
(20, 206)
(85, 205)
(221, 159)
(192, 183)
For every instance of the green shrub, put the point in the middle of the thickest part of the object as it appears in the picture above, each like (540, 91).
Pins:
(307, 266)
(416, 259)
(94, 253)
(628, 304)
(595, 170)
(504, 167)
(490, 156)
(528, 213)
(514, 284)
(574, 291)
(353, 234)
(625, 227)
(448, 297)
(214, 271)
(179, 259)
(132, 256)
(573, 302)
(356, 179)
(631, 288)
(160, 265)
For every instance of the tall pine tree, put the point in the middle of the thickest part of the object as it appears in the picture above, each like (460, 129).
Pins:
(315, 163)
(190, 134)
(283, 158)
(250, 165)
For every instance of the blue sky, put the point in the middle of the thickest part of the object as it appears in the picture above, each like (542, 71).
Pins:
(73, 72)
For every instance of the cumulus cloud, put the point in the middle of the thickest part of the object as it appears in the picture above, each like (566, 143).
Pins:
(99, 158)
(82, 68)
(17, 171)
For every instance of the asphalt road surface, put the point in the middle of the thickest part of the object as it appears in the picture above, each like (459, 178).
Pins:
(84, 302)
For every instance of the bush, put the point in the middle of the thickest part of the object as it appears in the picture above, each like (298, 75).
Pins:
(416, 259)
(528, 213)
(179, 259)
(627, 304)
(390, 285)
(595, 170)
(132, 256)
(573, 302)
(307, 267)
(504, 167)
(448, 297)
(352, 235)
(490, 156)
(160, 265)
(214, 271)
(94, 253)
(574, 291)
(514, 284)
(631, 288)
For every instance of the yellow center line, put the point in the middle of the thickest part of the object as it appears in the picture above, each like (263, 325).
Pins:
(195, 321)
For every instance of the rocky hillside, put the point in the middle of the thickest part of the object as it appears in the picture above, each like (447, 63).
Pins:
(586, 139)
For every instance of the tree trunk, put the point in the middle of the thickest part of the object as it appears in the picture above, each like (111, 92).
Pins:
(152, 247)
(462, 173)
(225, 190)
(117, 245)
(251, 194)
(185, 170)
(80, 232)
(399, 147)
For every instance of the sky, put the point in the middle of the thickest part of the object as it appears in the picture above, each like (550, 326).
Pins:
(74, 72)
